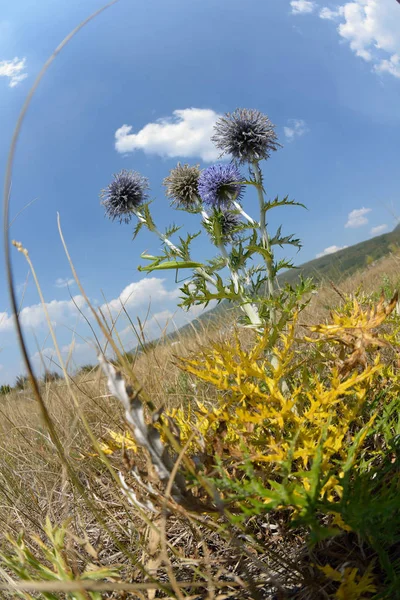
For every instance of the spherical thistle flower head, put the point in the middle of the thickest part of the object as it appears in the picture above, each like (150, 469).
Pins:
(127, 191)
(246, 134)
(223, 226)
(219, 185)
(182, 184)
(228, 224)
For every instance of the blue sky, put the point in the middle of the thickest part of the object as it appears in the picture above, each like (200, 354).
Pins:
(326, 73)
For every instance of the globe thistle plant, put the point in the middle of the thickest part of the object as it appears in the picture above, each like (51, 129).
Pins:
(219, 185)
(246, 134)
(182, 184)
(127, 192)
(215, 194)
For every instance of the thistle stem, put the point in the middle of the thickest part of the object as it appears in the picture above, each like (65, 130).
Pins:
(243, 213)
(250, 309)
(269, 263)
(264, 236)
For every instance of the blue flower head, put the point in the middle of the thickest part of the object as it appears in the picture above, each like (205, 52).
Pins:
(127, 191)
(246, 134)
(219, 185)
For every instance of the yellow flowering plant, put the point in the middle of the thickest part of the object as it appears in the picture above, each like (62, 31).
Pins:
(307, 450)
(310, 450)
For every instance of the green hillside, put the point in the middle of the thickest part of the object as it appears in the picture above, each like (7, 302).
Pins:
(336, 267)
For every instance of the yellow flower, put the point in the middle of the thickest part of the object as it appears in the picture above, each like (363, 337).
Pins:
(118, 441)
(352, 585)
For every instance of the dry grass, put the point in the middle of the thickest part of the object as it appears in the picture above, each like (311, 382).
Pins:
(34, 481)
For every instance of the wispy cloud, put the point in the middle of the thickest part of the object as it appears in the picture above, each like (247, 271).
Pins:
(379, 229)
(356, 218)
(186, 134)
(295, 128)
(63, 283)
(331, 14)
(14, 70)
(372, 29)
(330, 250)
(302, 7)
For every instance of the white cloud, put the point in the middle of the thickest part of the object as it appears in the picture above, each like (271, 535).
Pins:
(302, 7)
(330, 250)
(60, 311)
(135, 297)
(372, 29)
(139, 293)
(295, 128)
(389, 65)
(378, 229)
(74, 355)
(44, 358)
(357, 218)
(329, 14)
(14, 70)
(186, 134)
(4, 318)
(62, 283)
(78, 354)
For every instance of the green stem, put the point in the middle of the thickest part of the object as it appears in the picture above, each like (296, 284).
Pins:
(265, 237)
(269, 263)
(250, 309)
(247, 307)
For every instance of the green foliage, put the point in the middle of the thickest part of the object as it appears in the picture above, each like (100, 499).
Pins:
(49, 561)
(5, 389)
(85, 369)
(328, 451)
(51, 376)
(21, 382)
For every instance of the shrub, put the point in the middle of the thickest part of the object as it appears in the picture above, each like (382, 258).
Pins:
(21, 382)
(51, 376)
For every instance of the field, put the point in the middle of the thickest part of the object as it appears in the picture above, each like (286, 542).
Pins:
(98, 535)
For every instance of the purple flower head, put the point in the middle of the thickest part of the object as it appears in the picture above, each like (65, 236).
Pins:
(127, 191)
(219, 185)
(246, 134)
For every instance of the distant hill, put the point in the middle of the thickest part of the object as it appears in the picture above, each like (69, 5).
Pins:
(336, 267)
